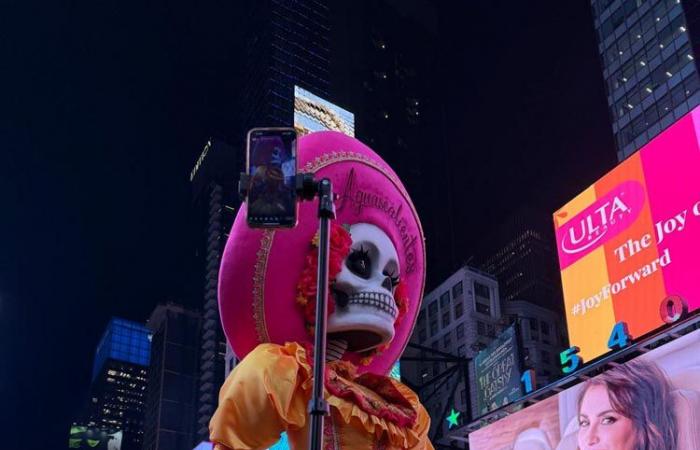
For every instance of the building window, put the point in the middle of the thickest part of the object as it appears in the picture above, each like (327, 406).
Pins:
(444, 300)
(490, 330)
(463, 397)
(436, 368)
(447, 340)
(480, 328)
(446, 318)
(422, 335)
(462, 350)
(533, 324)
(482, 298)
(459, 310)
(482, 308)
(482, 290)
(432, 308)
(544, 327)
(457, 290)
(545, 357)
(460, 331)
(421, 319)
(433, 327)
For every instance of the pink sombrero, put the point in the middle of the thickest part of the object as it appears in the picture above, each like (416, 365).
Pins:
(260, 269)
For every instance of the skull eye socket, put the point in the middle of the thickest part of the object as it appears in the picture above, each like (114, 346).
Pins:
(359, 263)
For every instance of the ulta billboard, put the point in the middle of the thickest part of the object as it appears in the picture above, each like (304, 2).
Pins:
(632, 239)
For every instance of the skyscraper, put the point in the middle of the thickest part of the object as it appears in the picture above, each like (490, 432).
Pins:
(286, 44)
(385, 70)
(526, 268)
(172, 384)
(647, 51)
(525, 264)
(215, 197)
(119, 378)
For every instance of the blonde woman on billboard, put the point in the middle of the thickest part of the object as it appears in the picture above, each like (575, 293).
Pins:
(629, 407)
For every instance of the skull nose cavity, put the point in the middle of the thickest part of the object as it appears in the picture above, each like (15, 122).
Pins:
(386, 284)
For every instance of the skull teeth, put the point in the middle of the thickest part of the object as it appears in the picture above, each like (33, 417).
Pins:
(378, 300)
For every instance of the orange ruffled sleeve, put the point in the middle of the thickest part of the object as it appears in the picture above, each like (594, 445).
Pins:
(266, 394)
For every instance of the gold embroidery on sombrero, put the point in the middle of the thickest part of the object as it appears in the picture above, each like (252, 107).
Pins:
(261, 259)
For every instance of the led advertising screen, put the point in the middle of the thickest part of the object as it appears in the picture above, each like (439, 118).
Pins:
(312, 113)
(94, 438)
(497, 370)
(650, 402)
(632, 239)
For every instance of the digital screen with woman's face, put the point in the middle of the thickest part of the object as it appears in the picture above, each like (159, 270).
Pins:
(650, 402)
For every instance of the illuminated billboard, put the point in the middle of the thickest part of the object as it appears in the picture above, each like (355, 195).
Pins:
(650, 402)
(497, 370)
(82, 436)
(632, 239)
(312, 113)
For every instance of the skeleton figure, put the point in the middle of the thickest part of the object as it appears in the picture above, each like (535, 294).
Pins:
(363, 291)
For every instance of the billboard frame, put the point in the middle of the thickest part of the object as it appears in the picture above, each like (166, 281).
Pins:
(658, 337)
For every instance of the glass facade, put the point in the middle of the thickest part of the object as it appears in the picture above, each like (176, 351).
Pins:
(288, 45)
(125, 341)
(648, 61)
(172, 385)
(116, 402)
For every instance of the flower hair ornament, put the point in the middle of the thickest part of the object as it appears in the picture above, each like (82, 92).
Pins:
(339, 249)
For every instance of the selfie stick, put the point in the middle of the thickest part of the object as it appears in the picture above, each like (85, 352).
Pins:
(307, 189)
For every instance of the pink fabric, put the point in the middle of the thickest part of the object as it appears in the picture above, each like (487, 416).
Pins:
(369, 192)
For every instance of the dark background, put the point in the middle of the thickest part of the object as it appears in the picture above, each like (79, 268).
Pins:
(105, 107)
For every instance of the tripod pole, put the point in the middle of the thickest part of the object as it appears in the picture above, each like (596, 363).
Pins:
(318, 408)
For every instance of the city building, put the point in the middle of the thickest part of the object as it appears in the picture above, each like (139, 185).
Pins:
(542, 337)
(286, 44)
(459, 317)
(172, 383)
(526, 268)
(386, 71)
(119, 379)
(648, 59)
(215, 201)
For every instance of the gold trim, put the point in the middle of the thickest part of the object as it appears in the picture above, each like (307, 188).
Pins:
(259, 285)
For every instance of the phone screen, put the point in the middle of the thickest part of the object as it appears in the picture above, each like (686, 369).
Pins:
(272, 166)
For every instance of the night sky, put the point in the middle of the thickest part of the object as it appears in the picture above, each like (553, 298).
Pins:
(105, 106)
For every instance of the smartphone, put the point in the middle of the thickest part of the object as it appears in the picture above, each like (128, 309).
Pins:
(271, 163)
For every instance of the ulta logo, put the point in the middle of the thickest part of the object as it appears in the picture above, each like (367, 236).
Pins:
(593, 227)
(600, 222)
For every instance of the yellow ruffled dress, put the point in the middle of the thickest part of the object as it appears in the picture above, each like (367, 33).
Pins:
(269, 392)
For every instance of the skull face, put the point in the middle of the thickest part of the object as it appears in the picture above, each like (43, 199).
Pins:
(365, 309)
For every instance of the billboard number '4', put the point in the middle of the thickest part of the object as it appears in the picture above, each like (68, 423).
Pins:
(620, 337)
(671, 310)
